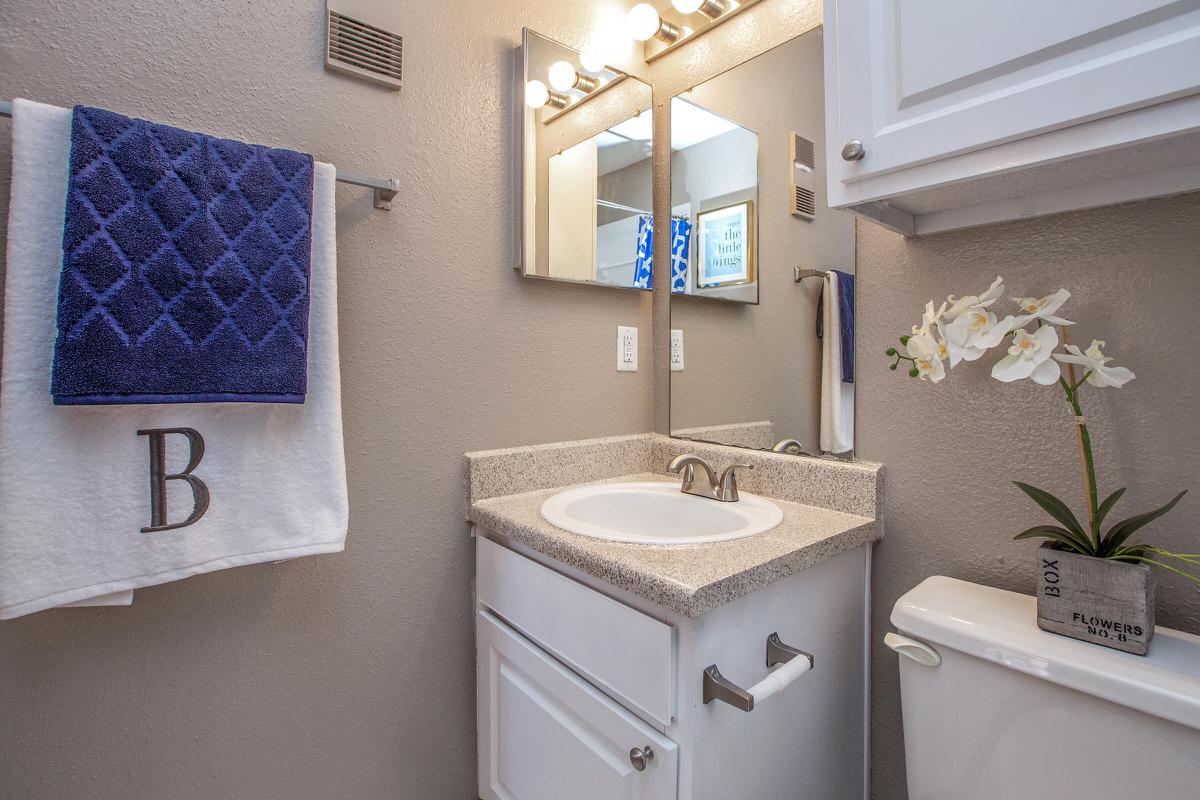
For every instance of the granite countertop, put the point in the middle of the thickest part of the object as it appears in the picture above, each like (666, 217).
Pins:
(688, 579)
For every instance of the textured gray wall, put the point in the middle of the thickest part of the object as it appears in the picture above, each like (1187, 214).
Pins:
(951, 450)
(345, 676)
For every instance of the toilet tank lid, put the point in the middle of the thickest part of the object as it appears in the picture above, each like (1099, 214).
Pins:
(1001, 627)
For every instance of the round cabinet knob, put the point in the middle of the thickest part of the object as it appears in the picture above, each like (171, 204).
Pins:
(853, 150)
(640, 756)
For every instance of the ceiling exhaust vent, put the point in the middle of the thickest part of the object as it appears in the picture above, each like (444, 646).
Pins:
(802, 176)
(360, 41)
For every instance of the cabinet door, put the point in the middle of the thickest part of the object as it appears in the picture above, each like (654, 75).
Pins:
(545, 734)
(923, 80)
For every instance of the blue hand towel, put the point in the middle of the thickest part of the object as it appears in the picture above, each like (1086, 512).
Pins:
(185, 268)
(846, 309)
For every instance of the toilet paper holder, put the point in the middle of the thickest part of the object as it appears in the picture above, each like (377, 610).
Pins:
(718, 687)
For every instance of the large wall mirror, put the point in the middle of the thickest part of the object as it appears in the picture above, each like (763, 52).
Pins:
(587, 174)
(762, 305)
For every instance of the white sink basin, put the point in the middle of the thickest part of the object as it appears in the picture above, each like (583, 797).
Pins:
(653, 512)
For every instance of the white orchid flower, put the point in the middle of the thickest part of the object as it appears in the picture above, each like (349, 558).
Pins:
(958, 306)
(927, 354)
(1094, 363)
(1029, 357)
(928, 320)
(970, 335)
(1041, 308)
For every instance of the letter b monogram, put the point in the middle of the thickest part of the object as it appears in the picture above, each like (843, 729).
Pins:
(159, 478)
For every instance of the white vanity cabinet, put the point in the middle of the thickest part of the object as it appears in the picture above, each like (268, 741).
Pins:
(547, 733)
(586, 691)
(942, 114)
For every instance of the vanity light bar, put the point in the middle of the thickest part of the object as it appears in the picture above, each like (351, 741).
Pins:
(709, 8)
(691, 19)
(565, 85)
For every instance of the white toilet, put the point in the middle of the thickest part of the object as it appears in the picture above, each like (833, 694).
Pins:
(996, 708)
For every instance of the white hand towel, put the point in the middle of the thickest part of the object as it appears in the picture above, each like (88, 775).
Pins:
(75, 480)
(114, 599)
(837, 398)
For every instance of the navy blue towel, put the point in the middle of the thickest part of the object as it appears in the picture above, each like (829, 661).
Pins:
(846, 307)
(185, 267)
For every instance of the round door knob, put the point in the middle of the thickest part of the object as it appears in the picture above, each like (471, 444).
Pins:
(640, 756)
(853, 150)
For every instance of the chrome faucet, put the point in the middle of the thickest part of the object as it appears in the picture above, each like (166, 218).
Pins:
(707, 483)
(789, 445)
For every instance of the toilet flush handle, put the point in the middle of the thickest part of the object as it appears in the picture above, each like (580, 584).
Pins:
(917, 651)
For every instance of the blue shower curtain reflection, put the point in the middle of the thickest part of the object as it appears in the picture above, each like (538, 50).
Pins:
(681, 240)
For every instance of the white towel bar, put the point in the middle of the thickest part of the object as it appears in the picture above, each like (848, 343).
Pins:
(385, 188)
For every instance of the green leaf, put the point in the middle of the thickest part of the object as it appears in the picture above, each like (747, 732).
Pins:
(1118, 533)
(1055, 508)
(1107, 506)
(1054, 532)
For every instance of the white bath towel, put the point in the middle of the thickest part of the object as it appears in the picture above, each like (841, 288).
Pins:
(75, 480)
(837, 397)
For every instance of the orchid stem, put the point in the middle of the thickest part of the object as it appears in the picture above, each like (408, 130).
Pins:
(1144, 560)
(1188, 557)
(1085, 446)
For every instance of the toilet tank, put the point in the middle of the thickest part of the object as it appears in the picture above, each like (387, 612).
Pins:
(1012, 711)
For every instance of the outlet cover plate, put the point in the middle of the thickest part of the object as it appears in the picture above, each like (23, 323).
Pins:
(627, 348)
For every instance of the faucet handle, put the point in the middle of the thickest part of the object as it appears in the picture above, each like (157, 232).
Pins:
(728, 482)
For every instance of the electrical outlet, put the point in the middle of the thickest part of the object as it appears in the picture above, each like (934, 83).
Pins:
(676, 350)
(627, 356)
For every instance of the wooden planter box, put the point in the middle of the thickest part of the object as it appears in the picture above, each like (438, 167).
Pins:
(1110, 603)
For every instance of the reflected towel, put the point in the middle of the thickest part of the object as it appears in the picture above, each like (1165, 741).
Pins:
(185, 267)
(837, 395)
(74, 488)
(846, 328)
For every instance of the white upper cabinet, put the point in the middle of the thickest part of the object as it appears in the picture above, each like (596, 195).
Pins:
(970, 112)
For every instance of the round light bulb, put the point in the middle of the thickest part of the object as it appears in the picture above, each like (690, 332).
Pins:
(687, 6)
(592, 59)
(643, 22)
(536, 94)
(562, 76)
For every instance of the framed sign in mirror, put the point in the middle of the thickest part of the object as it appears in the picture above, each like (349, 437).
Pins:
(725, 255)
(586, 146)
(771, 365)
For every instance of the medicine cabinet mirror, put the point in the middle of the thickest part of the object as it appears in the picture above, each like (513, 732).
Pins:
(586, 169)
(763, 367)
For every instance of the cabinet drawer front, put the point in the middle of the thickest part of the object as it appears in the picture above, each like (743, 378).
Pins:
(918, 82)
(544, 734)
(628, 654)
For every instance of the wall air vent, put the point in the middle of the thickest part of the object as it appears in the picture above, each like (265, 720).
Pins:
(802, 176)
(360, 41)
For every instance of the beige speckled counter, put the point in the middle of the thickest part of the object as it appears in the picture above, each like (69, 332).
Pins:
(688, 579)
